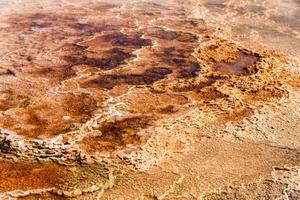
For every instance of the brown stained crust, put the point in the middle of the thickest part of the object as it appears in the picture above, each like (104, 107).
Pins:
(116, 134)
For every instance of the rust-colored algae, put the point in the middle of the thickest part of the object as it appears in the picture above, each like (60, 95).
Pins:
(29, 176)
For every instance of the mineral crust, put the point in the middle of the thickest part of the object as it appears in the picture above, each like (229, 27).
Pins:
(153, 99)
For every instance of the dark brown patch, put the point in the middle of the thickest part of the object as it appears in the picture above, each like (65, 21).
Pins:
(210, 94)
(5, 146)
(54, 74)
(121, 39)
(168, 110)
(30, 22)
(89, 29)
(117, 134)
(190, 23)
(40, 25)
(8, 72)
(163, 34)
(186, 37)
(113, 58)
(191, 70)
(180, 58)
(147, 78)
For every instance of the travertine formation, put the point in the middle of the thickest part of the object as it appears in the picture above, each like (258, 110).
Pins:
(154, 99)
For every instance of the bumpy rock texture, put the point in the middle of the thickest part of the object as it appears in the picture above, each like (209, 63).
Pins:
(154, 99)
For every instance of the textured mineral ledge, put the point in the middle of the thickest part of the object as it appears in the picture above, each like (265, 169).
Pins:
(153, 99)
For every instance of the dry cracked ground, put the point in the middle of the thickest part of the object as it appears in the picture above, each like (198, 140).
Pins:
(150, 100)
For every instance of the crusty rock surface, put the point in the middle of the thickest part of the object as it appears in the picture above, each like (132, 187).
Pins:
(154, 99)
